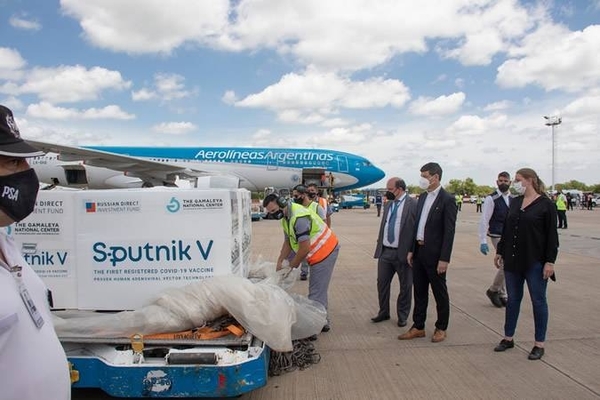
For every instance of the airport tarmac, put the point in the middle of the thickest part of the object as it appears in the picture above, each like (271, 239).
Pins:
(363, 360)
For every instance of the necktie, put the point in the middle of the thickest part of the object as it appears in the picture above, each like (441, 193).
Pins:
(392, 221)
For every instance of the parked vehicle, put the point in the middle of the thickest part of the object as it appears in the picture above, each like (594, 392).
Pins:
(354, 200)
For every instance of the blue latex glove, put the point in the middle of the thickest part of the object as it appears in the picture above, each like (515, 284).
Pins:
(484, 249)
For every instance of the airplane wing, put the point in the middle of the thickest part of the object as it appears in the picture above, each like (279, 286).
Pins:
(146, 170)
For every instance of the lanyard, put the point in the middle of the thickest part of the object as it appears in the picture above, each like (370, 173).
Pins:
(34, 313)
(396, 204)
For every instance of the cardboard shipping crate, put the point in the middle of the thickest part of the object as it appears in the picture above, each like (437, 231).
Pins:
(126, 246)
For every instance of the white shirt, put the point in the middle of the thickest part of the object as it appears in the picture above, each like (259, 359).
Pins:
(431, 196)
(487, 210)
(400, 205)
(33, 364)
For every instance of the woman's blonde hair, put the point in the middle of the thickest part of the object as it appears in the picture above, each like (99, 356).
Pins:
(537, 183)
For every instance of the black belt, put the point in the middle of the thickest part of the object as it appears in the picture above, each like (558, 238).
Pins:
(390, 248)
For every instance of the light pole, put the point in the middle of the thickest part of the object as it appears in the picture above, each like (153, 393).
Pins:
(553, 121)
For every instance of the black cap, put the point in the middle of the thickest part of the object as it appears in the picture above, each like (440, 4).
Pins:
(11, 144)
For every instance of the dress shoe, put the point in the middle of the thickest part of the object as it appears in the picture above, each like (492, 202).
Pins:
(438, 336)
(401, 323)
(412, 333)
(303, 277)
(504, 345)
(494, 298)
(380, 318)
(536, 353)
(326, 328)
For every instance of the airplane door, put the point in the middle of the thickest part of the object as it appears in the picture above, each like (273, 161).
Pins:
(272, 164)
(342, 163)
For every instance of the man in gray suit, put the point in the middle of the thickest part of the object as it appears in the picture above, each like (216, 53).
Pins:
(393, 244)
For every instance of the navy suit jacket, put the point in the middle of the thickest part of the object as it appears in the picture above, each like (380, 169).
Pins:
(439, 228)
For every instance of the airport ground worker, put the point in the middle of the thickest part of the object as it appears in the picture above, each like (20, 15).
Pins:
(459, 201)
(33, 364)
(316, 197)
(304, 195)
(306, 237)
(378, 203)
(561, 209)
(313, 193)
(479, 203)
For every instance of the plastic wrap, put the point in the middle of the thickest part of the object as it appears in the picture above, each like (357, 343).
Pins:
(264, 308)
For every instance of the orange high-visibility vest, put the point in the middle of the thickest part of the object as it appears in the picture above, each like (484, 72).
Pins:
(322, 239)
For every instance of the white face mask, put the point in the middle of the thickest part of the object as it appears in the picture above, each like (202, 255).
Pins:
(424, 183)
(519, 188)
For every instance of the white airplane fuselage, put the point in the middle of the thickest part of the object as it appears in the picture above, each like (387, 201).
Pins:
(254, 177)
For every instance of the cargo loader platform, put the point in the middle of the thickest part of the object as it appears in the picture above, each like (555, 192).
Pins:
(224, 367)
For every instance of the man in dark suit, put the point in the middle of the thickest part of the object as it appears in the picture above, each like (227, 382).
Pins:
(430, 254)
(393, 244)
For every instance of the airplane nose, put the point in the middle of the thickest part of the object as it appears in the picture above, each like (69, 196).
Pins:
(378, 174)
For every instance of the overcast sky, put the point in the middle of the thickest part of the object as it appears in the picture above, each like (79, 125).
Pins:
(465, 83)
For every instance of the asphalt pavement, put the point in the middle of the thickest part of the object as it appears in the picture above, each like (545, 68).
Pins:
(363, 360)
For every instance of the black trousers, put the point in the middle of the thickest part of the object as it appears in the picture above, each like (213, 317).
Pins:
(562, 218)
(425, 275)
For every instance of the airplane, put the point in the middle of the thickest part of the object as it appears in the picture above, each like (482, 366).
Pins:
(102, 167)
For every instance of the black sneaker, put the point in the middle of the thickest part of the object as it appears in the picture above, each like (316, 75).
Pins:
(505, 344)
(326, 328)
(536, 353)
(303, 277)
(494, 298)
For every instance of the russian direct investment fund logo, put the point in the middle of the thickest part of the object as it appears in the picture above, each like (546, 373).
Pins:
(90, 207)
(110, 206)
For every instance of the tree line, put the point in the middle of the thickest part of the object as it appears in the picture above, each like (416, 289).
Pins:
(468, 187)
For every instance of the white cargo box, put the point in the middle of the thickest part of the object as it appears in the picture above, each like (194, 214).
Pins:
(116, 249)
(47, 242)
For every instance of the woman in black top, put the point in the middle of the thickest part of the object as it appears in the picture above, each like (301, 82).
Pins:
(527, 251)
